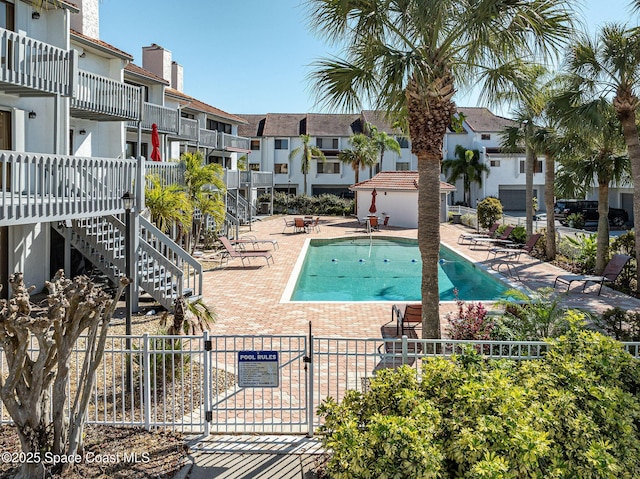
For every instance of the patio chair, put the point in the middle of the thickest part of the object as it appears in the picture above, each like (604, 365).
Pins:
(288, 224)
(412, 315)
(502, 239)
(300, 225)
(385, 223)
(316, 224)
(374, 225)
(610, 273)
(231, 252)
(467, 237)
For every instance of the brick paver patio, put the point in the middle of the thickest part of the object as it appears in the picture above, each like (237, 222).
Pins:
(248, 300)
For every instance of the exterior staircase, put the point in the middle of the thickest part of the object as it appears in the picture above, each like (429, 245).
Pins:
(164, 270)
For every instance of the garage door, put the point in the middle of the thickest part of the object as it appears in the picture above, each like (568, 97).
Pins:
(514, 200)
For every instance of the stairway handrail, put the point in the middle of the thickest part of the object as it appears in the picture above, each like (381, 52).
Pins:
(194, 267)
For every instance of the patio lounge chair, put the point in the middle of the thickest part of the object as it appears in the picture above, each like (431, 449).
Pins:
(514, 252)
(412, 315)
(253, 241)
(610, 273)
(231, 252)
(467, 237)
(503, 239)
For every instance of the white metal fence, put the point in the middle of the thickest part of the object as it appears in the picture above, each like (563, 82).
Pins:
(192, 383)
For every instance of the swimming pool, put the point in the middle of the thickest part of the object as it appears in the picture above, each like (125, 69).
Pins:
(383, 269)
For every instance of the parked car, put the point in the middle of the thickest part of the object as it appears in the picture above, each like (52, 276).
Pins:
(589, 210)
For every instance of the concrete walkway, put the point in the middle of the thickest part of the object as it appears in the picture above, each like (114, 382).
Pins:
(249, 301)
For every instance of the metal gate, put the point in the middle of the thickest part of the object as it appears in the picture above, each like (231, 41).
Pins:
(257, 384)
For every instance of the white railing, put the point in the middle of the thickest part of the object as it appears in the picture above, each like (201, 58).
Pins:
(189, 129)
(178, 381)
(166, 119)
(41, 187)
(27, 63)
(182, 274)
(257, 179)
(209, 138)
(233, 142)
(98, 94)
(170, 173)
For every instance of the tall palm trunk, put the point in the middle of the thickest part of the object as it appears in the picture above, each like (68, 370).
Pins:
(625, 104)
(430, 111)
(528, 169)
(602, 243)
(549, 194)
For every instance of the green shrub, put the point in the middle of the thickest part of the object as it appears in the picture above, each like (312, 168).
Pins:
(519, 234)
(489, 211)
(575, 220)
(325, 204)
(167, 363)
(621, 324)
(585, 250)
(573, 413)
(469, 220)
(625, 243)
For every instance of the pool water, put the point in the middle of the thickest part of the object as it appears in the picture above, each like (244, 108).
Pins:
(386, 270)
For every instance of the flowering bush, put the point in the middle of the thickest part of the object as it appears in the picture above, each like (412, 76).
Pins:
(470, 322)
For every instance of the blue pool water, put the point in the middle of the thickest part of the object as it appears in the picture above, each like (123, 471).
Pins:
(386, 270)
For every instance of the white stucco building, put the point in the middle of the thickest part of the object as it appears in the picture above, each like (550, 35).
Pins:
(396, 196)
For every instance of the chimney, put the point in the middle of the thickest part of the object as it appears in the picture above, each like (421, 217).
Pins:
(177, 77)
(87, 21)
(157, 60)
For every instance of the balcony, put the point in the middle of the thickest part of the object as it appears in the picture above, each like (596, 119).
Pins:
(189, 129)
(165, 118)
(233, 143)
(38, 187)
(29, 67)
(209, 138)
(248, 179)
(104, 99)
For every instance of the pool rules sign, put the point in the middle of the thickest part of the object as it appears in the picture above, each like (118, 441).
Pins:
(258, 369)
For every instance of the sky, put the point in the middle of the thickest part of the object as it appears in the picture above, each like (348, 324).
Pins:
(252, 56)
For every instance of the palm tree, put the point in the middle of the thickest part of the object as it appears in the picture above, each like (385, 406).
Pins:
(362, 154)
(467, 166)
(609, 64)
(169, 206)
(404, 57)
(595, 154)
(209, 202)
(383, 143)
(307, 152)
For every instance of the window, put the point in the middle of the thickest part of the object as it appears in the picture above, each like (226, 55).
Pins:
(254, 166)
(327, 143)
(145, 90)
(255, 144)
(329, 167)
(131, 152)
(494, 163)
(6, 15)
(402, 141)
(219, 126)
(537, 166)
(485, 136)
(281, 168)
(191, 116)
(402, 166)
(282, 144)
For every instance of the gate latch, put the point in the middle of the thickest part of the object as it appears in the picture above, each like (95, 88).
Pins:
(306, 359)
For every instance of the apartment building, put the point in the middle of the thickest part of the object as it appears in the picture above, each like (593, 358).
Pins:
(275, 135)
(76, 116)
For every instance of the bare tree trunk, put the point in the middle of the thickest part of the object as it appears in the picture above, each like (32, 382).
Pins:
(549, 200)
(625, 104)
(429, 243)
(602, 242)
(528, 169)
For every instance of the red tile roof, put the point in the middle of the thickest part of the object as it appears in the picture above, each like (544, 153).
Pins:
(100, 44)
(396, 180)
(203, 107)
(136, 70)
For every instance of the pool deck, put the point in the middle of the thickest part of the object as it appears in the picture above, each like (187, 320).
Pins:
(248, 300)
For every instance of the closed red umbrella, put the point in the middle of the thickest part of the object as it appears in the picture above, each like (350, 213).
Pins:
(155, 142)
(372, 208)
